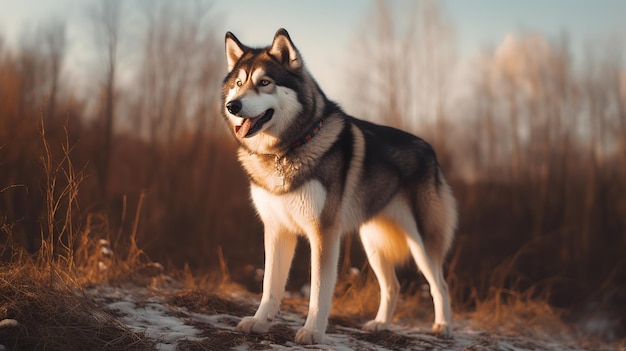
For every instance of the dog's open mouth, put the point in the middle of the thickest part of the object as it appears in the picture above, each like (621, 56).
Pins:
(250, 126)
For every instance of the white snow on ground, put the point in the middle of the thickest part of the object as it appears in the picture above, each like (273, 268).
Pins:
(145, 310)
(152, 319)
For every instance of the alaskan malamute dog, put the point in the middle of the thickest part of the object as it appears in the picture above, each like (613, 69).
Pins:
(317, 172)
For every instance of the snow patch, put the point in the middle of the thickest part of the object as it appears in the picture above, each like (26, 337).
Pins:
(147, 314)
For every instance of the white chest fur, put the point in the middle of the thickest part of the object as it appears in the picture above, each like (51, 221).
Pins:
(298, 211)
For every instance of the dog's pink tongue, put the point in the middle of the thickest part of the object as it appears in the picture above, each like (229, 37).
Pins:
(243, 129)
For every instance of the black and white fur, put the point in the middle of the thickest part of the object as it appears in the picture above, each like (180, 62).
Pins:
(350, 176)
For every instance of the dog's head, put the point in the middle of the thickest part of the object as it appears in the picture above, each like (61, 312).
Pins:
(261, 95)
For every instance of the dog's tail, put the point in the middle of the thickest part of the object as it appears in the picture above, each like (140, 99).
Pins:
(437, 217)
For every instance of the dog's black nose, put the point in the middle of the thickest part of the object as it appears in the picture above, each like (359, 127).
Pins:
(234, 106)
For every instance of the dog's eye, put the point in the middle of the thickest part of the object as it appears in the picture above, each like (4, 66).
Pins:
(264, 82)
(239, 83)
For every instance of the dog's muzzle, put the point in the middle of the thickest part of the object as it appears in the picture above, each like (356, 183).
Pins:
(247, 126)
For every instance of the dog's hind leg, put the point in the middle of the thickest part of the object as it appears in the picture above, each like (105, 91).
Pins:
(433, 273)
(279, 250)
(400, 221)
(437, 221)
(376, 237)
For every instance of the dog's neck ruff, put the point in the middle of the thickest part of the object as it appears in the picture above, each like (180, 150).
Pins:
(279, 179)
(308, 136)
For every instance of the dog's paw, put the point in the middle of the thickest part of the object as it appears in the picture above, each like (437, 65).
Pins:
(306, 336)
(253, 325)
(375, 325)
(442, 330)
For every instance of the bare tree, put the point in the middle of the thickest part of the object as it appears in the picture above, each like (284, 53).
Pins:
(38, 61)
(437, 60)
(52, 44)
(107, 17)
(54, 39)
(31, 74)
(404, 59)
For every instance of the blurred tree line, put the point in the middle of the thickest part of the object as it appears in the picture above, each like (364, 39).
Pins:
(534, 147)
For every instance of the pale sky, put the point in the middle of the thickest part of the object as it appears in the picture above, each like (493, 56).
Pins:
(322, 29)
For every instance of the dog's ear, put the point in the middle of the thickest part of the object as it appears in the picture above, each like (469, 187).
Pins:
(234, 50)
(284, 51)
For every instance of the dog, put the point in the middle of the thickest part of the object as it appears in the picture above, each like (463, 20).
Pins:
(318, 172)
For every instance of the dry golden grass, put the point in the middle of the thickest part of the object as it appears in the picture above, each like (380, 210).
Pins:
(54, 315)
(519, 314)
(41, 298)
(356, 295)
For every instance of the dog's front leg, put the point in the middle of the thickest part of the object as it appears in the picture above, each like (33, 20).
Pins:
(324, 259)
(279, 249)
